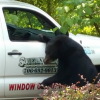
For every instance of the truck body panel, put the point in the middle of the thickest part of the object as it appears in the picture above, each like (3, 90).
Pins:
(22, 51)
(2, 58)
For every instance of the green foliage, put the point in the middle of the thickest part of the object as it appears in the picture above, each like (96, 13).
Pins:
(76, 16)
(47, 5)
(80, 16)
(22, 19)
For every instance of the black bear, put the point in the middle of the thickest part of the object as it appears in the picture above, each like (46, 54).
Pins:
(72, 61)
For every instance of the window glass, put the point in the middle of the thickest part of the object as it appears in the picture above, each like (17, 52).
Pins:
(25, 25)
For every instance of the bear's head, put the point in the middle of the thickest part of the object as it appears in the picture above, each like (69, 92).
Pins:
(51, 51)
(53, 46)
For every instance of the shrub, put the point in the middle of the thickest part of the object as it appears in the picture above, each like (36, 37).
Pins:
(63, 92)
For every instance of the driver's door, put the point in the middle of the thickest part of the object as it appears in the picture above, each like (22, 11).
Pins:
(24, 53)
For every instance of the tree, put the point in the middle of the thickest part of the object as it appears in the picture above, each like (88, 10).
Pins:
(80, 16)
(48, 6)
(76, 16)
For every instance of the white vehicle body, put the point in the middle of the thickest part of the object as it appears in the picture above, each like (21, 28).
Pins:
(19, 77)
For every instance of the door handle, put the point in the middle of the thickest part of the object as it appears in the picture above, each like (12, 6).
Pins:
(14, 53)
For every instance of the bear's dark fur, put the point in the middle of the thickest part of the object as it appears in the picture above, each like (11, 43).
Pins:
(72, 61)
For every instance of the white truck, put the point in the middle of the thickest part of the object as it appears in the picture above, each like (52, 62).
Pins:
(22, 51)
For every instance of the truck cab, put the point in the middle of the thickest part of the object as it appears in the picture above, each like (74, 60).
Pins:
(22, 51)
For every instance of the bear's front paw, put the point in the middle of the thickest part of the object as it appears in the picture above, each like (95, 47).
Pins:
(42, 86)
(46, 82)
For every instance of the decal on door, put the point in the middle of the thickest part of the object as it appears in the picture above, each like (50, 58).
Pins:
(88, 50)
(31, 86)
(28, 86)
(36, 66)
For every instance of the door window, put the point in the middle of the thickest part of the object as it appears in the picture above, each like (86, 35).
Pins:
(24, 25)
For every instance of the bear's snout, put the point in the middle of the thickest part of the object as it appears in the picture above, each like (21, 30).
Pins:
(47, 60)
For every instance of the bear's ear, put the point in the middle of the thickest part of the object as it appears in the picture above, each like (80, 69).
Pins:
(67, 33)
(44, 38)
(58, 32)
